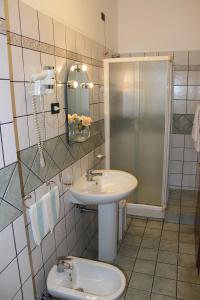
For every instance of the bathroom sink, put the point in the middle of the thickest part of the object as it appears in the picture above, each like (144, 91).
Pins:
(111, 187)
(87, 280)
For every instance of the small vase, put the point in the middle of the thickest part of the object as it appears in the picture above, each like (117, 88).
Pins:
(83, 134)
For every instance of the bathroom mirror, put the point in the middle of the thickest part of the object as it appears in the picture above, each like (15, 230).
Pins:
(78, 100)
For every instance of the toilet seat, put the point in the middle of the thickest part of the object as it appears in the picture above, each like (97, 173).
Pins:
(91, 280)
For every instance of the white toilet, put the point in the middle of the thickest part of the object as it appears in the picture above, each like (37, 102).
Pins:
(86, 279)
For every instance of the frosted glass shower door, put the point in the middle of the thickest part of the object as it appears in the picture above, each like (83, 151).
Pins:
(138, 97)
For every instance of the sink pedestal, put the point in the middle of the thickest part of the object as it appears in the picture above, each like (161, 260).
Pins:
(108, 231)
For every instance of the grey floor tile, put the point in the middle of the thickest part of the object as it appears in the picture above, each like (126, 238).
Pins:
(169, 246)
(161, 297)
(187, 248)
(141, 281)
(188, 275)
(186, 260)
(167, 257)
(169, 235)
(133, 294)
(136, 230)
(150, 243)
(171, 226)
(128, 251)
(125, 263)
(186, 237)
(166, 270)
(164, 286)
(186, 228)
(152, 233)
(188, 291)
(139, 222)
(146, 253)
(144, 266)
(155, 224)
(132, 240)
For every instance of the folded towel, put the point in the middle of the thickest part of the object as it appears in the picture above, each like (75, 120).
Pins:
(196, 129)
(39, 220)
(53, 206)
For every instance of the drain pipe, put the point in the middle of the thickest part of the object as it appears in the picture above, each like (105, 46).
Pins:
(84, 208)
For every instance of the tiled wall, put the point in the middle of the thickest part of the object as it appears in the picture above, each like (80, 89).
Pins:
(32, 45)
(185, 97)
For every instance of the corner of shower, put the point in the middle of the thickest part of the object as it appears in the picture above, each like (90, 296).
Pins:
(137, 127)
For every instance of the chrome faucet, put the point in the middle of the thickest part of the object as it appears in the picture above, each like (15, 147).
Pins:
(90, 174)
(63, 263)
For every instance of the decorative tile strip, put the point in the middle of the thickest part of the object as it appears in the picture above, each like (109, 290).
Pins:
(47, 48)
(14, 39)
(22, 41)
(182, 123)
(194, 68)
(180, 68)
(30, 43)
(60, 52)
(2, 26)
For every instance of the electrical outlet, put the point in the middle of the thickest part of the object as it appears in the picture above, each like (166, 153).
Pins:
(103, 17)
(55, 108)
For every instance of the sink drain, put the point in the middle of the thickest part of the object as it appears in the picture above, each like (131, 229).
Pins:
(80, 290)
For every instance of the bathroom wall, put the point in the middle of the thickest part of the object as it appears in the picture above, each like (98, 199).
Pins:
(31, 46)
(156, 25)
(81, 14)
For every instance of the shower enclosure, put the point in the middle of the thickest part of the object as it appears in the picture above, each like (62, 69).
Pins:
(137, 124)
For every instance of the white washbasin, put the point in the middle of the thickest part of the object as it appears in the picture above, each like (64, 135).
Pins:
(111, 187)
(91, 280)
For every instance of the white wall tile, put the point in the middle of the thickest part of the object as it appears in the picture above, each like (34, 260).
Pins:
(62, 249)
(175, 180)
(193, 93)
(180, 77)
(194, 57)
(51, 125)
(32, 63)
(177, 140)
(180, 92)
(190, 168)
(190, 155)
(71, 240)
(37, 262)
(181, 58)
(49, 264)
(46, 29)
(22, 132)
(175, 167)
(59, 34)
(80, 43)
(24, 265)
(194, 78)
(27, 13)
(191, 106)
(48, 246)
(1, 156)
(20, 234)
(14, 21)
(19, 98)
(188, 141)
(8, 252)
(4, 70)
(6, 114)
(2, 15)
(9, 281)
(27, 288)
(179, 106)
(176, 154)
(17, 64)
(9, 146)
(40, 283)
(189, 181)
(70, 39)
(31, 126)
(60, 232)
(18, 296)
(61, 70)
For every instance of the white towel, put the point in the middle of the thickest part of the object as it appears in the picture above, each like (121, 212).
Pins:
(53, 206)
(39, 220)
(196, 129)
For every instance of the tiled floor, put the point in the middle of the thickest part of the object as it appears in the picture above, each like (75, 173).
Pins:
(158, 258)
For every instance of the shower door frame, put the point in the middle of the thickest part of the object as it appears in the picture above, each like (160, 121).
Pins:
(142, 210)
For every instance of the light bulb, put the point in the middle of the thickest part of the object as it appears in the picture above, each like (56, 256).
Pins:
(72, 68)
(84, 68)
(75, 84)
(91, 85)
